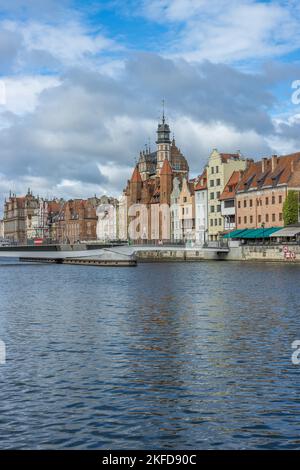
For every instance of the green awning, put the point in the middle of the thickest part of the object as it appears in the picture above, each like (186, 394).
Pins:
(249, 233)
(252, 233)
(260, 232)
(234, 233)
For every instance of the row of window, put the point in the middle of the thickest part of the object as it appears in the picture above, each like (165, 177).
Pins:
(214, 170)
(216, 182)
(215, 209)
(212, 195)
(259, 202)
(260, 220)
(215, 222)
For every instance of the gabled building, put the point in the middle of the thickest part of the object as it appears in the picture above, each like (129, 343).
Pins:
(261, 192)
(219, 169)
(201, 209)
(107, 219)
(151, 184)
(227, 200)
(18, 212)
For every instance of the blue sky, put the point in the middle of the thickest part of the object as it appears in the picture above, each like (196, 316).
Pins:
(84, 82)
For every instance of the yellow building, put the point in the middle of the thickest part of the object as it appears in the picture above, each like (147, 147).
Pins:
(219, 169)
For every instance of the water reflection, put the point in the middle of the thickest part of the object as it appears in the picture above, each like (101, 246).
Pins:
(161, 356)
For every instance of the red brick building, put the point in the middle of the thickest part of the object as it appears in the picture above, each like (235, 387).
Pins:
(74, 221)
(151, 183)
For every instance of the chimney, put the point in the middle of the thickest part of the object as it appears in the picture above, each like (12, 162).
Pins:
(292, 166)
(274, 162)
(264, 163)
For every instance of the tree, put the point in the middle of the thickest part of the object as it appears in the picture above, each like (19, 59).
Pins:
(291, 208)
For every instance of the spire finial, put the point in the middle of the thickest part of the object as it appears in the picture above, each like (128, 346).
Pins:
(163, 109)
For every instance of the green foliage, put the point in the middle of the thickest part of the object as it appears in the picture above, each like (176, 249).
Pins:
(291, 208)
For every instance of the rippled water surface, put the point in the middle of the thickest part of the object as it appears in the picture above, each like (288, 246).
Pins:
(162, 356)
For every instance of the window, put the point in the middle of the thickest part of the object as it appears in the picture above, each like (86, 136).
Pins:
(240, 220)
(267, 201)
(216, 222)
(245, 203)
(220, 221)
(280, 215)
(273, 217)
(212, 170)
(239, 204)
(259, 219)
(251, 219)
(251, 203)
(273, 199)
(267, 217)
(229, 203)
(245, 219)
(217, 169)
(211, 222)
(218, 182)
(218, 194)
(218, 208)
(280, 199)
(211, 183)
(212, 195)
(212, 208)
(184, 199)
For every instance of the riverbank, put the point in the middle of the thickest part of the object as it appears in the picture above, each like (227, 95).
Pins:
(277, 253)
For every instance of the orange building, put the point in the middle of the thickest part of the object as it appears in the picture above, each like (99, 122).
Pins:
(262, 190)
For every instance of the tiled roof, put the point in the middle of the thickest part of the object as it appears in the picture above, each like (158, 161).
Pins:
(201, 182)
(166, 168)
(229, 190)
(227, 156)
(270, 172)
(136, 176)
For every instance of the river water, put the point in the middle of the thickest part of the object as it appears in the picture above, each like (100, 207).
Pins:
(162, 356)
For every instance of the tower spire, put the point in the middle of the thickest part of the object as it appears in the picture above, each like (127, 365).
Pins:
(163, 111)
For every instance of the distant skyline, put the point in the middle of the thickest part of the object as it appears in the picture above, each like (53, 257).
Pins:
(83, 83)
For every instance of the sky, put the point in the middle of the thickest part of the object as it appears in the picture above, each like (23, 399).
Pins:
(82, 82)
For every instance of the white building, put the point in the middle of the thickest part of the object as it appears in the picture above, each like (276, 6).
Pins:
(201, 209)
(37, 222)
(227, 199)
(1, 229)
(107, 219)
(123, 217)
(176, 234)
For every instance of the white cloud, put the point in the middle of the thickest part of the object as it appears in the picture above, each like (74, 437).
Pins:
(22, 93)
(69, 43)
(228, 30)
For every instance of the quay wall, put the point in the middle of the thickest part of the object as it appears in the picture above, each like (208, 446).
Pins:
(236, 253)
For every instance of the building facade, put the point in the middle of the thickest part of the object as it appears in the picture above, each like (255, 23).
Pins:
(107, 219)
(227, 199)
(261, 193)
(219, 169)
(18, 212)
(151, 186)
(201, 209)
